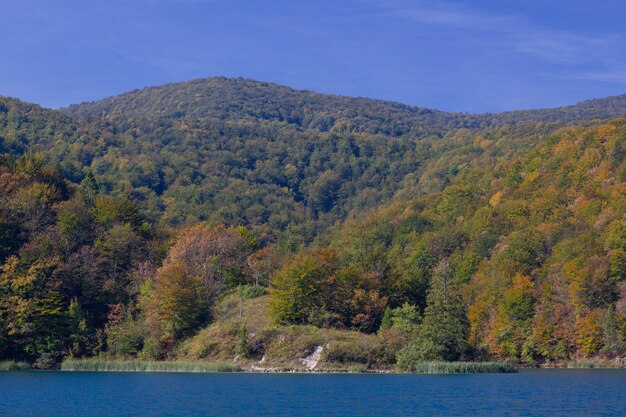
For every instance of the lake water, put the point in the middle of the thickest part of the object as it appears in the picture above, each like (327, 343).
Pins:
(549, 392)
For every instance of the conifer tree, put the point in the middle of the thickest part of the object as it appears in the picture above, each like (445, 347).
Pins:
(445, 321)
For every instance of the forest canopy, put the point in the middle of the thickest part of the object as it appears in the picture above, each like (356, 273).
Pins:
(130, 226)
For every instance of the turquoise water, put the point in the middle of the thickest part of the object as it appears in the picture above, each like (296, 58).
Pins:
(529, 393)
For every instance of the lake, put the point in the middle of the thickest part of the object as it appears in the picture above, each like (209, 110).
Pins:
(549, 392)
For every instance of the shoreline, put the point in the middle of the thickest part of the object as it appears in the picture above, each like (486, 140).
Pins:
(197, 367)
(434, 368)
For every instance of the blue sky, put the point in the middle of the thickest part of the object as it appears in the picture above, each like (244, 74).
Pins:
(474, 56)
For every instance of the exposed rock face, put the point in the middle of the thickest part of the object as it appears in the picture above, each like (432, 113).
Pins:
(311, 361)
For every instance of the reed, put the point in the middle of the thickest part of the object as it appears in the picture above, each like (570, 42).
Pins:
(14, 366)
(100, 365)
(598, 363)
(357, 369)
(461, 367)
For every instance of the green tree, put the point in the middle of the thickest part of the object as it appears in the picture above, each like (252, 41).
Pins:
(613, 338)
(386, 322)
(78, 330)
(445, 321)
(33, 307)
(243, 347)
(297, 287)
(89, 189)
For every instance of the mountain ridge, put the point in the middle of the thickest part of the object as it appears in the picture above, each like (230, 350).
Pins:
(602, 108)
(235, 98)
(71, 108)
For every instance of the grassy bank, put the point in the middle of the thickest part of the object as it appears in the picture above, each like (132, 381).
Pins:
(281, 347)
(462, 367)
(145, 366)
(14, 366)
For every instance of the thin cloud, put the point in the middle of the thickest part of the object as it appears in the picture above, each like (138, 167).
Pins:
(610, 76)
(448, 15)
(567, 48)
(512, 32)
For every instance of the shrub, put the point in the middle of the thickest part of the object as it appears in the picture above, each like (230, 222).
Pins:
(252, 291)
(422, 350)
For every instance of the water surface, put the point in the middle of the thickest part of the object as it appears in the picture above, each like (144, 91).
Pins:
(550, 392)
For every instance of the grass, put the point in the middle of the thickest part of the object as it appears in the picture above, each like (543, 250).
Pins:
(14, 366)
(357, 368)
(145, 366)
(281, 346)
(598, 363)
(462, 367)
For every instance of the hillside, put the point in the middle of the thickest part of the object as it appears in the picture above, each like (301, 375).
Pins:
(288, 164)
(533, 248)
(386, 234)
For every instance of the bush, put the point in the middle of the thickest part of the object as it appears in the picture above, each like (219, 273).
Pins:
(345, 351)
(422, 350)
(252, 291)
(243, 347)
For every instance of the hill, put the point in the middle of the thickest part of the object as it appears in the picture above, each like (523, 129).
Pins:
(288, 164)
(129, 227)
(240, 98)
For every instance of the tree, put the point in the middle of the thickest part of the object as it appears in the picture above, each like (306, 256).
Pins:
(407, 319)
(243, 347)
(78, 330)
(33, 307)
(368, 307)
(216, 256)
(617, 268)
(297, 287)
(445, 321)
(119, 250)
(420, 350)
(613, 336)
(89, 189)
(589, 332)
(181, 304)
(114, 211)
(199, 266)
(9, 240)
(260, 264)
(386, 322)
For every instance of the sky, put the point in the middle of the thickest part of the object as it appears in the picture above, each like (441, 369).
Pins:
(469, 56)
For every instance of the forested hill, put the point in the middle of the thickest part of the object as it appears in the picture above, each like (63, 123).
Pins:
(221, 217)
(288, 164)
(599, 108)
(239, 98)
(243, 99)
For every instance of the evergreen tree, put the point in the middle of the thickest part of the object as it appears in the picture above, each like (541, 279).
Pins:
(445, 321)
(89, 188)
(386, 322)
(612, 339)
